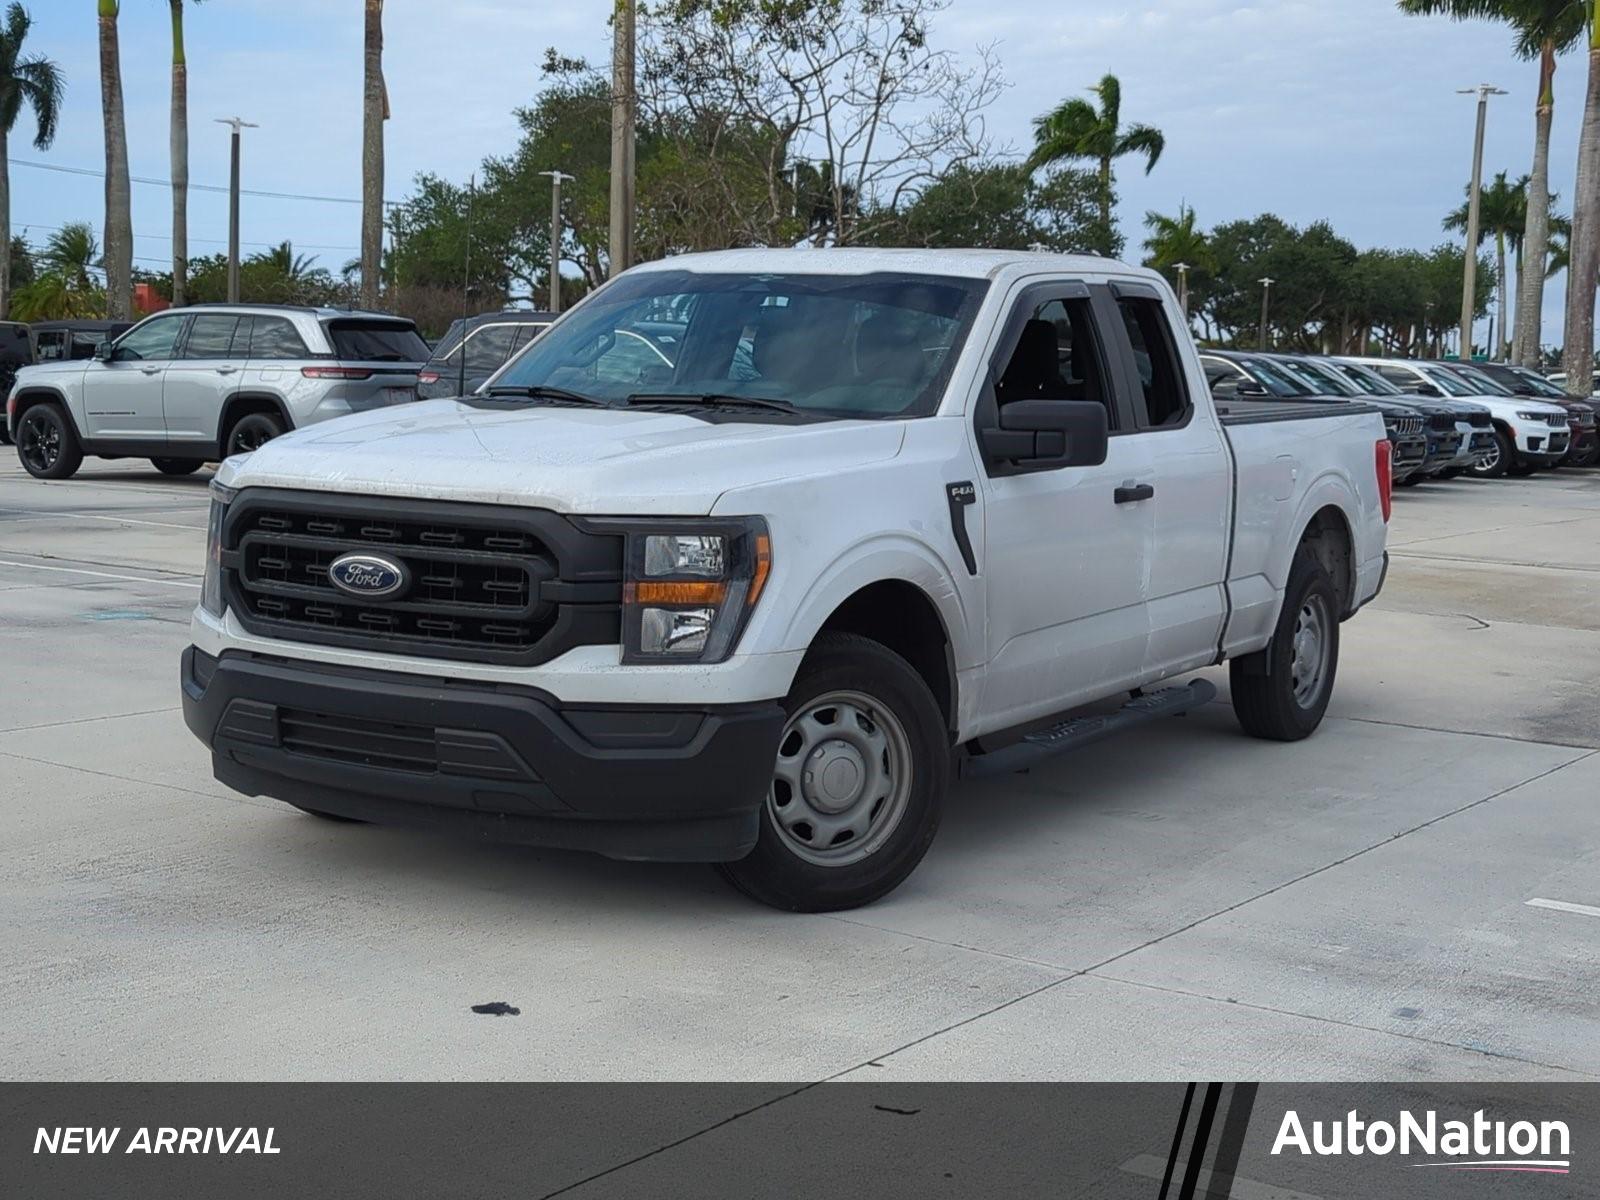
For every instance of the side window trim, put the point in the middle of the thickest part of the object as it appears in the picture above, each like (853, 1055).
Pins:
(1029, 300)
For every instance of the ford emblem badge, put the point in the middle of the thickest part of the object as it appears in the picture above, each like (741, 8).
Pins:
(369, 576)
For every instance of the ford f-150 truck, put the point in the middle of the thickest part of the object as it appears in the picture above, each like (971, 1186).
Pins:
(754, 552)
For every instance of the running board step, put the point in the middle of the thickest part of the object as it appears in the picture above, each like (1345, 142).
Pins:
(1081, 731)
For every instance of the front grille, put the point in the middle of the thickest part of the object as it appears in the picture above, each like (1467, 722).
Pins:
(1585, 419)
(356, 740)
(1480, 420)
(1405, 426)
(486, 584)
(1556, 420)
(1442, 421)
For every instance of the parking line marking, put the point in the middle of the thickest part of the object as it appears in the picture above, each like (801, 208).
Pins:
(6, 562)
(1583, 910)
(36, 513)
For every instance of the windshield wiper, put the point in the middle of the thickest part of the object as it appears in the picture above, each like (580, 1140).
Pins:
(540, 392)
(713, 399)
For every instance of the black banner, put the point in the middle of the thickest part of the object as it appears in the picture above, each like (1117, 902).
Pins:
(1157, 1141)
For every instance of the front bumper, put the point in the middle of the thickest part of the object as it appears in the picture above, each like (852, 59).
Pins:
(681, 784)
(1542, 445)
(1444, 450)
(1582, 444)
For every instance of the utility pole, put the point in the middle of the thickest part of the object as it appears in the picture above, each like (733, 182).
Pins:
(1469, 282)
(233, 206)
(1183, 286)
(1266, 299)
(624, 109)
(556, 178)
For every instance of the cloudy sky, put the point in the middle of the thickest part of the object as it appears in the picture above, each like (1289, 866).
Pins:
(1335, 108)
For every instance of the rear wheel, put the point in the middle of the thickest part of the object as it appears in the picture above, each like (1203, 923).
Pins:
(46, 443)
(1281, 693)
(1499, 458)
(177, 466)
(252, 431)
(859, 783)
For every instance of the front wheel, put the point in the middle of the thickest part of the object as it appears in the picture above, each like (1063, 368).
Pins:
(46, 443)
(1282, 692)
(1499, 457)
(859, 783)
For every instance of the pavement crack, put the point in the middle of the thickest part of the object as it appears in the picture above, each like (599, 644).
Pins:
(1305, 1016)
(143, 712)
(1338, 862)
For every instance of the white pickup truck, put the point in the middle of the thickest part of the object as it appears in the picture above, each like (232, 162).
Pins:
(754, 552)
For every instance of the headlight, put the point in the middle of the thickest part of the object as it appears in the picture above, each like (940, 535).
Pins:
(211, 583)
(689, 586)
(1538, 417)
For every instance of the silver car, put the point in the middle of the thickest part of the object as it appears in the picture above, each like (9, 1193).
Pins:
(194, 385)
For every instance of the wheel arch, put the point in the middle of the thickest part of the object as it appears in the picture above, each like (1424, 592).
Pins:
(903, 618)
(1329, 537)
(35, 394)
(242, 404)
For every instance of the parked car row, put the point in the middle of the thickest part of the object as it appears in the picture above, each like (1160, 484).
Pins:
(1444, 419)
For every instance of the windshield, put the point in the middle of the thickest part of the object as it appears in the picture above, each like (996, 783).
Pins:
(1539, 385)
(1274, 379)
(1319, 379)
(1449, 382)
(876, 346)
(1370, 382)
(1487, 384)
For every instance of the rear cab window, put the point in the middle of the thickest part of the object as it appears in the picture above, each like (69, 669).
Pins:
(1164, 393)
(270, 338)
(366, 340)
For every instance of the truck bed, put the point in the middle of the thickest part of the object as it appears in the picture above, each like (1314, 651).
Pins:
(1259, 412)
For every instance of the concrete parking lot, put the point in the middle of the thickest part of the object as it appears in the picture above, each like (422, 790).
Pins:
(1186, 904)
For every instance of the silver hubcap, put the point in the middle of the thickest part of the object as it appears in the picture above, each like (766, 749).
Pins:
(1308, 666)
(1491, 460)
(842, 781)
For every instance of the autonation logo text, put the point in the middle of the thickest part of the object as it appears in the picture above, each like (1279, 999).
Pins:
(1476, 1145)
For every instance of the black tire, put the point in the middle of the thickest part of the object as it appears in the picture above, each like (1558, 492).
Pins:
(1521, 470)
(1409, 481)
(326, 816)
(177, 466)
(1449, 473)
(252, 431)
(46, 444)
(783, 871)
(1266, 697)
(1500, 459)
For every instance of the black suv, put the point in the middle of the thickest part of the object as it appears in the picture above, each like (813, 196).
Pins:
(490, 340)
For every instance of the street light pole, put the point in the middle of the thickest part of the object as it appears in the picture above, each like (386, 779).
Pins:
(556, 178)
(1469, 282)
(1183, 286)
(624, 106)
(233, 206)
(1266, 297)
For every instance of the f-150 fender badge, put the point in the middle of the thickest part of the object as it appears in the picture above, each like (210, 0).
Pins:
(961, 496)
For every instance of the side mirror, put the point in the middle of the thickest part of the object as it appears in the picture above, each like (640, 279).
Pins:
(1421, 389)
(1040, 435)
(1249, 387)
(102, 352)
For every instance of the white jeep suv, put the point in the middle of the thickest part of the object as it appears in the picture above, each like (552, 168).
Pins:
(194, 385)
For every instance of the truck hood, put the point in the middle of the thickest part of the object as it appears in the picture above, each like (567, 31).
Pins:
(575, 460)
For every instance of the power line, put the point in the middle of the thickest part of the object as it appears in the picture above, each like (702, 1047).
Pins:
(195, 187)
(162, 237)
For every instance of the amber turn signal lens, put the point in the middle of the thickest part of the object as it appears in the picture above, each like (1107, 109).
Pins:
(649, 592)
(762, 570)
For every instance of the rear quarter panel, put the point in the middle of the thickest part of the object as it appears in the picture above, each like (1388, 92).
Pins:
(1288, 472)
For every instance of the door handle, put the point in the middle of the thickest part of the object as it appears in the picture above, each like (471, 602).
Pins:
(226, 370)
(1131, 495)
(150, 370)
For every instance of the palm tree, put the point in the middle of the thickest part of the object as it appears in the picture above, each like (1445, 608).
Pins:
(1543, 28)
(1177, 240)
(119, 203)
(35, 82)
(1503, 214)
(375, 111)
(1076, 129)
(66, 286)
(180, 158)
(1584, 275)
(72, 253)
